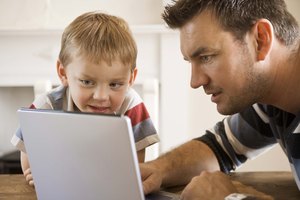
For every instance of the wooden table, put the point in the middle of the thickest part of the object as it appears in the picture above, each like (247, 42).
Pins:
(279, 185)
(15, 187)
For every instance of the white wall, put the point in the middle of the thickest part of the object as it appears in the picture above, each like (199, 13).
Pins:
(293, 7)
(37, 14)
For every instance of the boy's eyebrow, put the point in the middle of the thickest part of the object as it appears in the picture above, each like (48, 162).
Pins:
(121, 78)
(86, 75)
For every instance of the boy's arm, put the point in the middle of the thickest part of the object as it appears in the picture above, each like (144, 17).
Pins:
(24, 161)
(26, 168)
(141, 155)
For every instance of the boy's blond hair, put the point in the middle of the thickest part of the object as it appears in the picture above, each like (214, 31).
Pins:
(98, 37)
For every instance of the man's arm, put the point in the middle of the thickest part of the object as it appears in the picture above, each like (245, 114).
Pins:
(141, 155)
(187, 161)
(178, 166)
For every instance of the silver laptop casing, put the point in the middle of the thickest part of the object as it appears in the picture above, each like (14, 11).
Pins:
(81, 156)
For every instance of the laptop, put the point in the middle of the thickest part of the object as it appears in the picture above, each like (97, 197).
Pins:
(83, 156)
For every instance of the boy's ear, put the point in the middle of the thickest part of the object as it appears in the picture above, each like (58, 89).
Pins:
(263, 31)
(61, 71)
(133, 76)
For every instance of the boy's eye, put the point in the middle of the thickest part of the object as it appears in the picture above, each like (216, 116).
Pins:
(115, 85)
(86, 82)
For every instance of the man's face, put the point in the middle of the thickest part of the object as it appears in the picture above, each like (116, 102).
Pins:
(225, 67)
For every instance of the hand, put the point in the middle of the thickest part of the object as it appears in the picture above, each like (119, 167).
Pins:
(28, 177)
(207, 186)
(151, 177)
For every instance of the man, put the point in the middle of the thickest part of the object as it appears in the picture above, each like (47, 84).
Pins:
(246, 55)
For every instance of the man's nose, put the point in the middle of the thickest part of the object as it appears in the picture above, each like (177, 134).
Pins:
(198, 77)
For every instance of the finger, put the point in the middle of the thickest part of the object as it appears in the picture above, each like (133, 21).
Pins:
(27, 171)
(31, 183)
(144, 172)
(185, 192)
(28, 178)
(150, 185)
(147, 187)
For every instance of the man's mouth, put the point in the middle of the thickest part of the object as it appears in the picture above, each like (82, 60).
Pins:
(215, 97)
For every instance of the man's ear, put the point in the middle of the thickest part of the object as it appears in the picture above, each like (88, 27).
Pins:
(61, 71)
(263, 31)
(133, 76)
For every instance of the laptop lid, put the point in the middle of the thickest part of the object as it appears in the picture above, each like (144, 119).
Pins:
(81, 155)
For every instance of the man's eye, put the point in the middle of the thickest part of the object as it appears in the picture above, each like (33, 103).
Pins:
(205, 59)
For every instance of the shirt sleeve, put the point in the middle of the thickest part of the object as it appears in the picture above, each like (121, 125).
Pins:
(42, 102)
(144, 131)
(239, 137)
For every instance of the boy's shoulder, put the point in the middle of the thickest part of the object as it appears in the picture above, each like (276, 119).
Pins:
(132, 96)
(57, 93)
(52, 99)
(132, 99)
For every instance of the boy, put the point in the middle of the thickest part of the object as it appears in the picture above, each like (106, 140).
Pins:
(97, 67)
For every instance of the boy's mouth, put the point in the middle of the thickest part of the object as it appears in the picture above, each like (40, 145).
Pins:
(97, 109)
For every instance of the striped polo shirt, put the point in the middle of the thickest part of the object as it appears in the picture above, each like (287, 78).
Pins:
(253, 131)
(60, 99)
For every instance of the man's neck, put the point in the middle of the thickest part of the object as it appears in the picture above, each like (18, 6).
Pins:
(285, 93)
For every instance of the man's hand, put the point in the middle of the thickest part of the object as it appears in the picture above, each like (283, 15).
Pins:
(151, 177)
(208, 186)
(28, 177)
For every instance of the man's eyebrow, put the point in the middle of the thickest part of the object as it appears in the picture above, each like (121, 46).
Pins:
(199, 51)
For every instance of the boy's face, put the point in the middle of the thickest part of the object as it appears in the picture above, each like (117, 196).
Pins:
(97, 88)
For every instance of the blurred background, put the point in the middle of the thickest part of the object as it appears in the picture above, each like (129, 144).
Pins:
(30, 32)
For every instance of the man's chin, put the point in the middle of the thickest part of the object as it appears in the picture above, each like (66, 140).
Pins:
(225, 110)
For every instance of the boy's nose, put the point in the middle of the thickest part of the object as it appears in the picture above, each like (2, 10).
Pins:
(101, 93)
